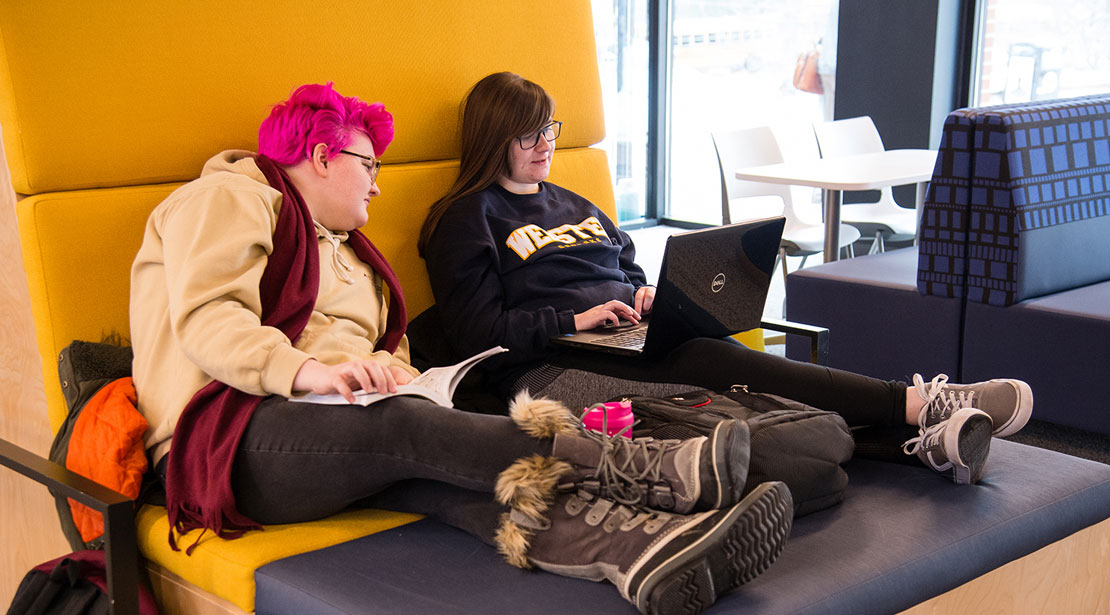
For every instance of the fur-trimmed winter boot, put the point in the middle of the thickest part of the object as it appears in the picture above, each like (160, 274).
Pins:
(662, 563)
(700, 473)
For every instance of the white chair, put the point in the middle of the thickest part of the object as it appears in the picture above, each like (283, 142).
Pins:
(804, 233)
(885, 219)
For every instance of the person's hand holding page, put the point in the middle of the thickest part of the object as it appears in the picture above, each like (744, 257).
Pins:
(346, 378)
(400, 376)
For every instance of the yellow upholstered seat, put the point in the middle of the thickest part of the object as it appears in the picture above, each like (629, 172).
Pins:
(226, 568)
(107, 107)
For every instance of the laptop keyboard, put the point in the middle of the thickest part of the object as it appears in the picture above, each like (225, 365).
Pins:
(627, 339)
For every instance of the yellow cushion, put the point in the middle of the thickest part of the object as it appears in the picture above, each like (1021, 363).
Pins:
(134, 92)
(226, 567)
(95, 97)
(752, 339)
(77, 250)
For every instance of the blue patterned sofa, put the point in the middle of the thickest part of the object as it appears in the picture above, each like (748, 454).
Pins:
(1011, 276)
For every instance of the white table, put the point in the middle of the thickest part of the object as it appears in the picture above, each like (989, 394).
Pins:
(857, 172)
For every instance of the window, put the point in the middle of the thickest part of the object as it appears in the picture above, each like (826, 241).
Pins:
(737, 71)
(621, 31)
(1033, 50)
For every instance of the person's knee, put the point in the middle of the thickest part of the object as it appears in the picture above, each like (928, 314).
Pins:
(702, 349)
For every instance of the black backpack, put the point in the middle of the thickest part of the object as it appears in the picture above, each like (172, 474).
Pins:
(790, 442)
(83, 369)
(74, 584)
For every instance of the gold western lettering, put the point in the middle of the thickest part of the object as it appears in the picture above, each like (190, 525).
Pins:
(526, 240)
(521, 243)
(538, 235)
(593, 225)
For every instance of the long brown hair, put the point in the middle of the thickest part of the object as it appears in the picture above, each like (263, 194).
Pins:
(498, 109)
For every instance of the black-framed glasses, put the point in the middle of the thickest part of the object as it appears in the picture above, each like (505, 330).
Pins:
(372, 164)
(549, 132)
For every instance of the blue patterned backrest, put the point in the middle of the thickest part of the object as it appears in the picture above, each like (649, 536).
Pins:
(1019, 203)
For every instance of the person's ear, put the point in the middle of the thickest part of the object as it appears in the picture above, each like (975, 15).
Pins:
(320, 159)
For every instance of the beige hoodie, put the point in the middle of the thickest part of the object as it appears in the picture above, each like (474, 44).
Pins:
(195, 306)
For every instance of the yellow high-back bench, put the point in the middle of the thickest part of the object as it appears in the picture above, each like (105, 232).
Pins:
(107, 107)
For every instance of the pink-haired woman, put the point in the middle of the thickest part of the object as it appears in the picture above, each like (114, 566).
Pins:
(253, 285)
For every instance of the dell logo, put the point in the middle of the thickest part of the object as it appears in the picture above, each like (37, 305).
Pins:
(718, 283)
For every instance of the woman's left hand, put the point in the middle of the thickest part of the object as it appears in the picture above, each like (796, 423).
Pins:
(645, 297)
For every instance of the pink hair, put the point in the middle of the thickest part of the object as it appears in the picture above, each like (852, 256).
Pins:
(318, 114)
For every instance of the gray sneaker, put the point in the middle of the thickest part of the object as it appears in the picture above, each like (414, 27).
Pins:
(956, 447)
(1009, 403)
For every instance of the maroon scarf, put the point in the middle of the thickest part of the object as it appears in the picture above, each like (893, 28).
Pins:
(198, 474)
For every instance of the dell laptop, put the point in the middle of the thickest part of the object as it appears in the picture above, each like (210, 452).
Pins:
(712, 283)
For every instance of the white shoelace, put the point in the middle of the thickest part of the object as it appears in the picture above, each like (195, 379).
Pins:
(926, 438)
(939, 404)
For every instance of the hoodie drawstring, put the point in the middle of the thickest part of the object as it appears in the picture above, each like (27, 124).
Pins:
(339, 263)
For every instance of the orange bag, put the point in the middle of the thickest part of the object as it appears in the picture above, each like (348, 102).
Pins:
(107, 446)
(806, 78)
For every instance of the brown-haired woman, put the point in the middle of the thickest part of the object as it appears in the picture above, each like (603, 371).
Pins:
(515, 260)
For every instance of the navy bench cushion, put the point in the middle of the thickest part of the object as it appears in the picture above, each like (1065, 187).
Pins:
(901, 536)
(1059, 344)
(879, 324)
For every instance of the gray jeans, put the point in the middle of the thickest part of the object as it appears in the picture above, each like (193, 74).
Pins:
(297, 462)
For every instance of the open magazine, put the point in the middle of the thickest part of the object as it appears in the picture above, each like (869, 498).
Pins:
(437, 384)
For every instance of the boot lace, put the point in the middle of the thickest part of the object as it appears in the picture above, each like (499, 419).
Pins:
(619, 470)
(612, 515)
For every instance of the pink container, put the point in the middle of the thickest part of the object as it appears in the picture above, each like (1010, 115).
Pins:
(619, 416)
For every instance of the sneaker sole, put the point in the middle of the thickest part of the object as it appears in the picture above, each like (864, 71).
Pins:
(970, 440)
(1024, 410)
(975, 445)
(730, 453)
(743, 542)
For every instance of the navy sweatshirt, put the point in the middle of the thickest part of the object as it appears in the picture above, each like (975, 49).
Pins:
(513, 269)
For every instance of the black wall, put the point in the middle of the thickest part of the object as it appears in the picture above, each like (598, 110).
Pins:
(903, 62)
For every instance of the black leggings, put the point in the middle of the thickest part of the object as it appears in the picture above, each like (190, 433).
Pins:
(298, 462)
(875, 409)
(719, 364)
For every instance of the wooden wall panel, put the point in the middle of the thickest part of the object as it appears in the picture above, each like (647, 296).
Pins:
(29, 527)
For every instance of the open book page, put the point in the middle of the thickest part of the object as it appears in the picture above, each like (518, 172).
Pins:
(437, 384)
